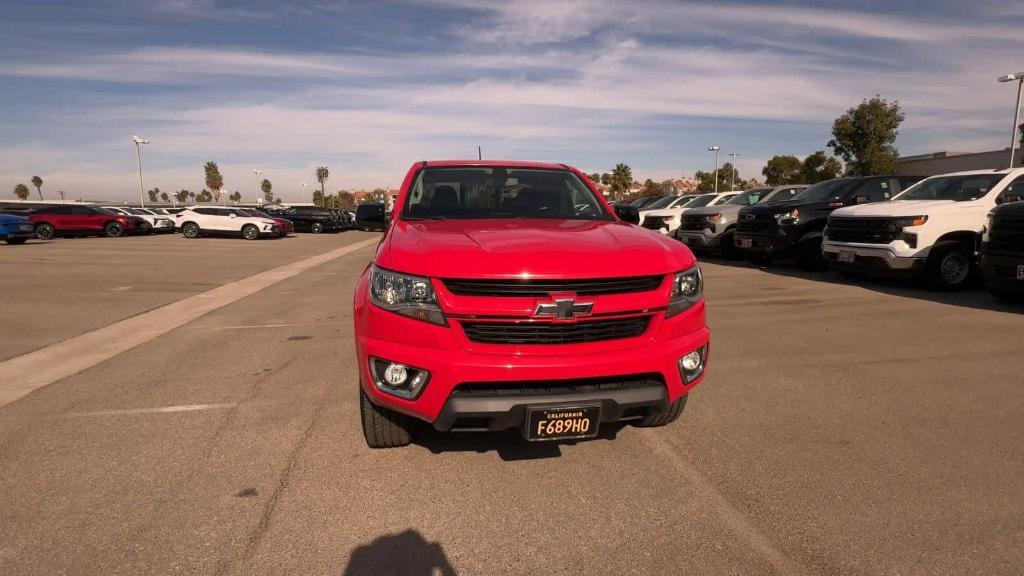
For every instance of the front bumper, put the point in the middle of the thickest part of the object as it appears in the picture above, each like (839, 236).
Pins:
(698, 240)
(655, 355)
(15, 231)
(1003, 272)
(775, 240)
(871, 259)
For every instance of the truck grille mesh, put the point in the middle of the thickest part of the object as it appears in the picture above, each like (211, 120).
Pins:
(552, 333)
(1007, 234)
(862, 230)
(581, 287)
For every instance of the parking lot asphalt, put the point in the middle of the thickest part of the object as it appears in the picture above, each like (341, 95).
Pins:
(842, 429)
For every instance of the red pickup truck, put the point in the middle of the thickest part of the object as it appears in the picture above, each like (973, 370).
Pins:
(510, 295)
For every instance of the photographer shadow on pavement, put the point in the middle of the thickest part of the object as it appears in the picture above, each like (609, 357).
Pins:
(404, 554)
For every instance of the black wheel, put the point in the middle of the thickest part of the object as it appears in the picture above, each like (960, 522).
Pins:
(250, 232)
(113, 229)
(45, 231)
(15, 240)
(949, 266)
(728, 247)
(382, 428)
(667, 417)
(190, 230)
(316, 228)
(808, 254)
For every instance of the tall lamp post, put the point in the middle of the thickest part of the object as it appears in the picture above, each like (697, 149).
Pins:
(715, 149)
(257, 172)
(1019, 77)
(303, 192)
(732, 172)
(138, 150)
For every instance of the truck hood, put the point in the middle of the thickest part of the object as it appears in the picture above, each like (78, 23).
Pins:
(541, 248)
(12, 219)
(726, 210)
(664, 212)
(783, 207)
(900, 208)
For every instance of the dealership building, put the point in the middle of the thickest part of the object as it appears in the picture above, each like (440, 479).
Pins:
(946, 162)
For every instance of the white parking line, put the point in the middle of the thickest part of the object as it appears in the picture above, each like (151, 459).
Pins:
(23, 374)
(119, 289)
(247, 326)
(158, 410)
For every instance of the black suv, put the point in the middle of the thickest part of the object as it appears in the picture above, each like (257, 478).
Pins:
(1002, 253)
(796, 226)
(371, 216)
(310, 219)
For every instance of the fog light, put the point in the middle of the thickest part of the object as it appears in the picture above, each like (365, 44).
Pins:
(691, 366)
(395, 374)
(398, 379)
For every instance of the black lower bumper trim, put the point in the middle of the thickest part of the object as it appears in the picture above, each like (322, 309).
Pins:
(499, 411)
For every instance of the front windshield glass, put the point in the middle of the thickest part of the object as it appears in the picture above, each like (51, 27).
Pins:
(499, 192)
(780, 196)
(827, 190)
(137, 212)
(956, 188)
(661, 203)
(749, 198)
(700, 201)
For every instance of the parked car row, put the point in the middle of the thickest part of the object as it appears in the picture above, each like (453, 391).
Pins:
(943, 230)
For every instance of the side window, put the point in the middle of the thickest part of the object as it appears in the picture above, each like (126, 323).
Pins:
(1014, 191)
(78, 210)
(875, 190)
(204, 211)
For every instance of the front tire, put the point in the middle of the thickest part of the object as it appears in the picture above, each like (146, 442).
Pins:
(113, 230)
(316, 228)
(664, 418)
(190, 230)
(808, 254)
(45, 231)
(250, 232)
(382, 428)
(949, 267)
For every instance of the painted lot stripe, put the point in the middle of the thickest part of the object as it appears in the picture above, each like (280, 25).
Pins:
(158, 410)
(23, 374)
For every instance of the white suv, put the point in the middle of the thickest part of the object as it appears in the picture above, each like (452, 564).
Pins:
(932, 228)
(158, 222)
(666, 220)
(196, 221)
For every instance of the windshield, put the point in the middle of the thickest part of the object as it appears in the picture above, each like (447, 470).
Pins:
(107, 212)
(827, 190)
(750, 197)
(780, 196)
(702, 200)
(257, 213)
(499, 192)
(137, 211)
(722, 200)
(660, 203)
(956, 188)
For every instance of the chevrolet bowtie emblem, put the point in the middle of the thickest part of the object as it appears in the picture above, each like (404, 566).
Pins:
(564, 309)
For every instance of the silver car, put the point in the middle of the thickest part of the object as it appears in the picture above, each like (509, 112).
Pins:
(710, 229)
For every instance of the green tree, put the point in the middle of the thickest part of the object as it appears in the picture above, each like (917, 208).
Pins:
(266, 187)
(782, 170)
(594, 177)
(277, 200)
(864, 137)
(606, 179)
(204, 196)
(346, 201)
(322, 174)
(706, 180)
(153, 194)
(318, 198)
(164, 197)
(214, 181)
(192, 196)
(819, 167)
(236, 197)
(21, 191)
(181, 195)
(38, 183)
(652, 188)
(622, 178)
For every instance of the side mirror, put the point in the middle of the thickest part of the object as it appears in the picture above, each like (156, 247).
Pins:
(233, 215)
(861, 200)
(627, 213)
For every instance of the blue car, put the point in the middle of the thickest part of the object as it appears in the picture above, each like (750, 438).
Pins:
(15, 229)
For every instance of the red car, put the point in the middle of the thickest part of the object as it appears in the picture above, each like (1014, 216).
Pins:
(510, 295)
(77, 220)
(285, 226)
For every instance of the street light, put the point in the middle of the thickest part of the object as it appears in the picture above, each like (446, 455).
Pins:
(1019, 77)
(138, 150)
(715, 149)
(257, 172)
(732, 173)
(303, 192)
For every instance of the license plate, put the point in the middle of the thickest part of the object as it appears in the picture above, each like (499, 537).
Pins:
(847, 256)
(560, 423)
(745, 242)
(1020, 272)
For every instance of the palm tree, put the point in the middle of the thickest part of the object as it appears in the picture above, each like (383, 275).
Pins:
(192, 196)
(322, 173)
(181, 195)
(61, 194)
(21, 191)
(153, 194)
(266, 188)
(622, 178)
(214, 181)
(38, 183)
(236, 197)
(164, 197)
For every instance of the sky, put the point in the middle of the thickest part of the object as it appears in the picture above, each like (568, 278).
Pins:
(368, 88)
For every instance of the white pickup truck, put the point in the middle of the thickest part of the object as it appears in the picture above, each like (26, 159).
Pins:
(931, 230)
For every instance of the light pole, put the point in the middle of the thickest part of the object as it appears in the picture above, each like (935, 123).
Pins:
(715, 149)
(732, 172)
(303, 192)
(257, 172)
(1019, 77)
(138, 150)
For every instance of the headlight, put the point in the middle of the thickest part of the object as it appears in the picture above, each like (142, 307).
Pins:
(712, 218)
(411, 296)
(687, 290)
(900, 223)
(791, 215)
